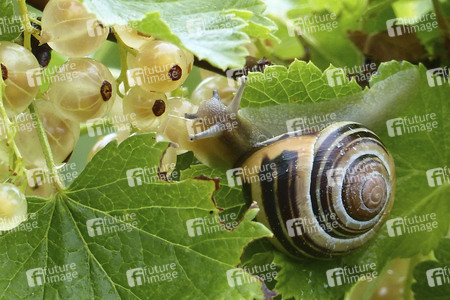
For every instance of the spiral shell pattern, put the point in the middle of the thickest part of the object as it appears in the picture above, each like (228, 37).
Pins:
(329, 192)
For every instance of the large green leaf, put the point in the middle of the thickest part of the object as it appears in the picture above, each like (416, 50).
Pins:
(157, 234)
(186, 23)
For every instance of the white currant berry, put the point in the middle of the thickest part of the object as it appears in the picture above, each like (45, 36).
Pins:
(86, 91)
(173, 126)
(17, 65)
(160, 67)
(70, 29)
(131, 37)
(146, 108)
(62, 134)
(13, 206)
(204, 90)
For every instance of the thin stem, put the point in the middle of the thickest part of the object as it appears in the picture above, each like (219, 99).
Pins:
(26, 24)
(46, 147)
(123, 49)
(16, 160)
(33, 108)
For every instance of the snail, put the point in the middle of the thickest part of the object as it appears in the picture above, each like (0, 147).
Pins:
(323, 194)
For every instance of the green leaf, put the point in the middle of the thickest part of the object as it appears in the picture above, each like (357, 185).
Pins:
(433, 277)
(230, 199)
(142, 226)
(10, 26)
(188, 23)
(302, 82)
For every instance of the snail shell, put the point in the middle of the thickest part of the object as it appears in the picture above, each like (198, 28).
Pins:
(330, 192)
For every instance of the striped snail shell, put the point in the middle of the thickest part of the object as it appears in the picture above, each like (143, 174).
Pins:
(323, 195)
(331, 192)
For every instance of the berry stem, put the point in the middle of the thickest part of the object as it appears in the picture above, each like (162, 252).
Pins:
(123, 49)
(33, 108)
(16, 160)
(55, 175)
(26, 24)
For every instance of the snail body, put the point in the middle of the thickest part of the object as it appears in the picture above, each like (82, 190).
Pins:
(323, 194)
